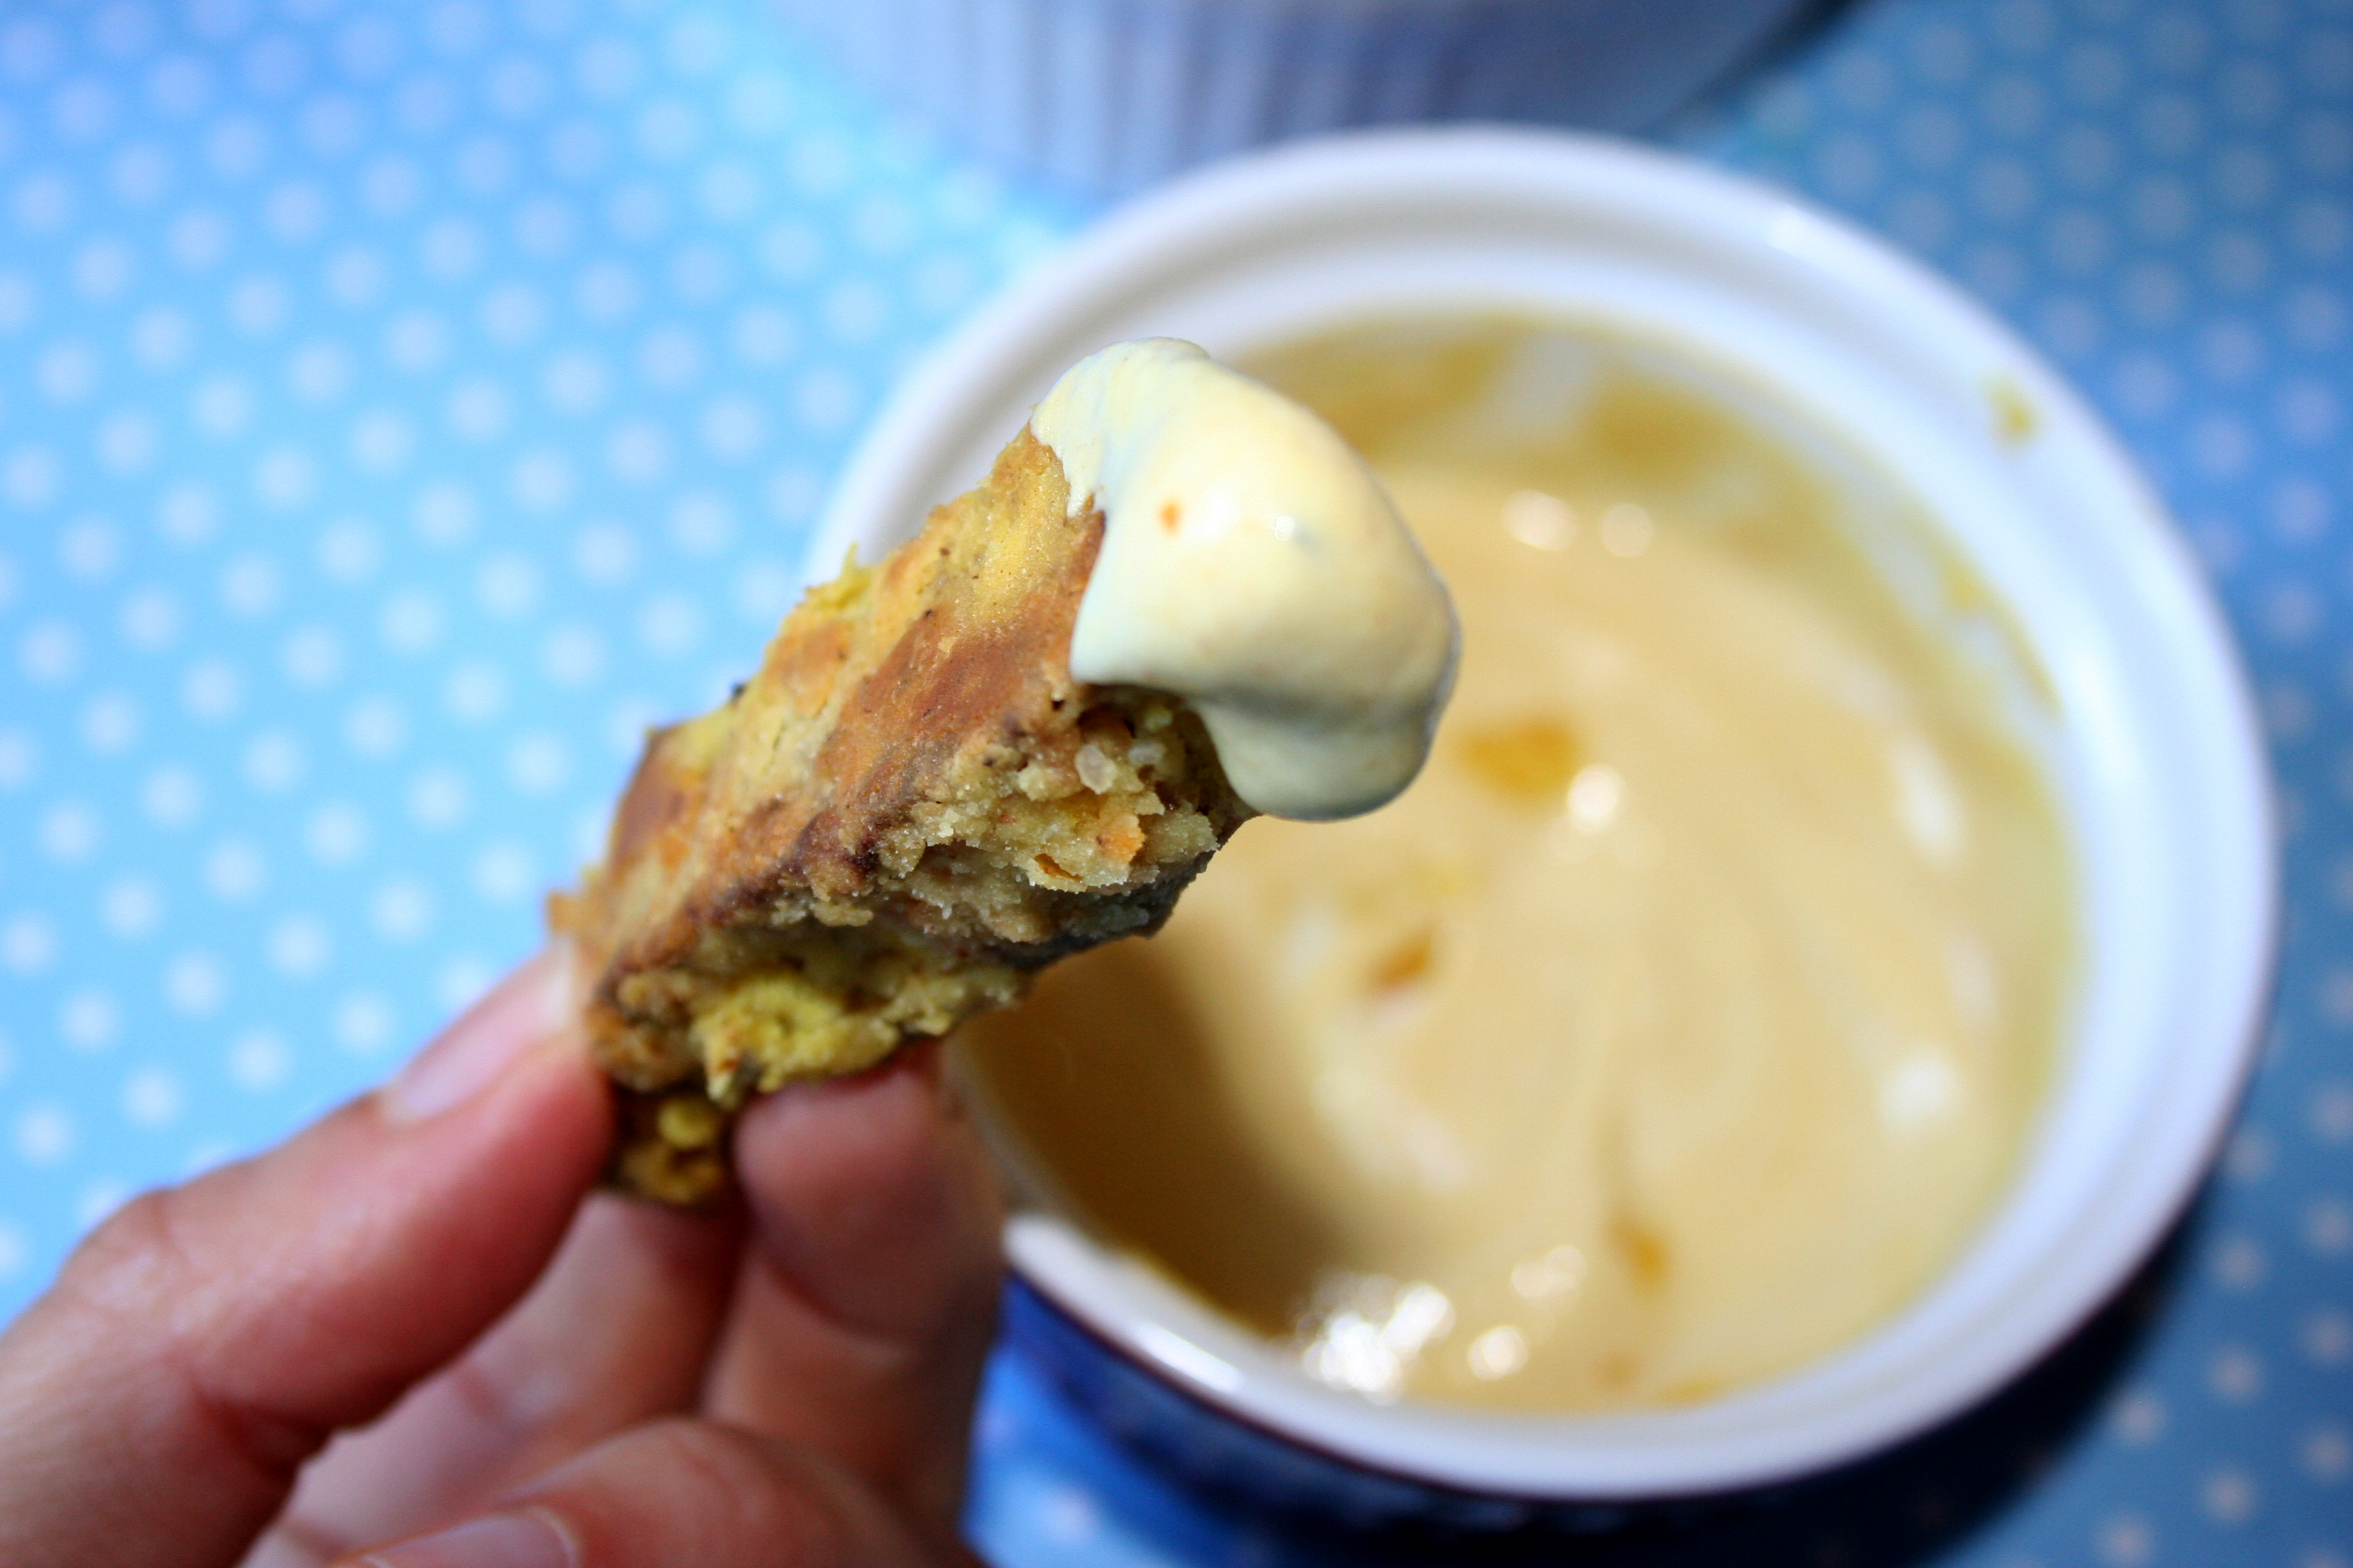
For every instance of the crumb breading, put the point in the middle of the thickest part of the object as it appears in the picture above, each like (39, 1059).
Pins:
(908, 809)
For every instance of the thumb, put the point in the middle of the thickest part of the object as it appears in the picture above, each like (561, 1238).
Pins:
(156, 1404)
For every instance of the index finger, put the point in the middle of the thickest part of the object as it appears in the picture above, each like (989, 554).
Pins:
(869, 1293)
(155, 1405)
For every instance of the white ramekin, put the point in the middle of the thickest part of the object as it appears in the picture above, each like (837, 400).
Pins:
(1103, 96)
(2158, 754)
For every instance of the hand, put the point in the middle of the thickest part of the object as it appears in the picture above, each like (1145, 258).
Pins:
(414, 1324)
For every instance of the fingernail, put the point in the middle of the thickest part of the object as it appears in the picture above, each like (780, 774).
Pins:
(519, 1012)
(506, 1541)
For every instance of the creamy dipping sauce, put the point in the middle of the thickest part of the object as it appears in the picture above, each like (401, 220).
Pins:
(1685, 1017)
(1252, 567)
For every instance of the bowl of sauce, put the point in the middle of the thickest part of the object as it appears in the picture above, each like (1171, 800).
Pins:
(1824, 944)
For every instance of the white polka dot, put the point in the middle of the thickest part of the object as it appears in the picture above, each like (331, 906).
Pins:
(348, 551)
(944, 282)
(478, 410)
(605, 68)
(503, 873)
(697, 45)
(298, 946)
(258, 1060)
(132, 907)
(573, 656)
(699, 273)
(541, 481)
(2330, 1113)
(381, 441)
(49, 652)
(411, 622)
(283, 477)
(2307, 410)
(44, 1133)
(2227, 1496)
(606, 291)
(373, 727)
(474, 692)
(362, 1024)
(102, 269)
(126, 442)
(437, 798)
(732, 428)
(2138, 1418)
(235, 871)
(883, 225)
(30, 478)
(820, 163)
(512, 314)
(2125, 1540)
(187, 514)
(670, 624)
(2329, 1226)
(258, 305)
(2325, 1452)
(19, 759)
(2291, 612)
(274, 762)
(605, 553)
(2238, 1262)
(2234, 1374)
(354, 276)
(1069, 1517)
(401, 910)
(89, 1020)
(2237, 263)
(211, 689)
(2249, 1157)
(69, 831)
(28, 943)
(110, 725)
(416, 341)
(2301, 510)
(172, 796)
(461, 980)
(507, 585)
(671, 358)
(66, 372)
(152, 1096)
(44, 202)
(827, 400)
(319, 372)
(89, 548)
(701, 523)
(730, 191)
(2326, 1337)
(538, 764)
(221, 406)
(575, 382)
(764, 335)
(336, 834)
(637, 452)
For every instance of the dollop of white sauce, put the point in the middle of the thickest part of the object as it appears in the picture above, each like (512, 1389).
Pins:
(1252, 565)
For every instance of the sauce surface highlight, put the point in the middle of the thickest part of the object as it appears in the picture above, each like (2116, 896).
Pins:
(1251, 566)
(1685, 1017)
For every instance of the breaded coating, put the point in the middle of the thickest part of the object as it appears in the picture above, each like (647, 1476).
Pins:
(910, 808)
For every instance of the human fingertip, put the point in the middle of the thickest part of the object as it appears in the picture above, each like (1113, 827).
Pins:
(532, 1005)
(527, 1540)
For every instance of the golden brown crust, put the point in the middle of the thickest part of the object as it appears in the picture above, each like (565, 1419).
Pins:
(909, 807)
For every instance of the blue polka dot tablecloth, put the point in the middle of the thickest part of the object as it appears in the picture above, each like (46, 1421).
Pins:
(403, 404)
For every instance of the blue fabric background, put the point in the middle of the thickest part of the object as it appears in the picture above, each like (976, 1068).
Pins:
(401, 404)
